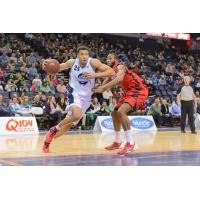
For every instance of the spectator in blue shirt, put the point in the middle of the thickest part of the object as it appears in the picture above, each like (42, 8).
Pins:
(32, 71)
(3, 57)
(14, 107)
(198, 105)
(175, 109)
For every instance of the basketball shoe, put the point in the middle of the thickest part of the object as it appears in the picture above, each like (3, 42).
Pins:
(48, 138)
(113, 146)
(127, 148)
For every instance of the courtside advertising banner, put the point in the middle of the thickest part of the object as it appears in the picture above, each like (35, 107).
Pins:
(138, 123)
(18, 126)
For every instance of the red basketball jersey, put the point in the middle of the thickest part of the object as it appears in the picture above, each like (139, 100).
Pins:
(132, 82)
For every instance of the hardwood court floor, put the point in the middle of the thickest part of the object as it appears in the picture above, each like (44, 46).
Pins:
(166, 148)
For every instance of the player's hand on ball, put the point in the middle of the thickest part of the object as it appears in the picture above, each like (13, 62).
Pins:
(98, 90)
(88, 75)
(44, 63)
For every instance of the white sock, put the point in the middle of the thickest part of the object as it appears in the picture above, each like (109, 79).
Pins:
(129, 137)
(118, 137)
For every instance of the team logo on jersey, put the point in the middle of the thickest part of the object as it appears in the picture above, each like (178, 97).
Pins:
(82, 80)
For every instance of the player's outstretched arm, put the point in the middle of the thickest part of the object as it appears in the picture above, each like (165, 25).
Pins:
(102, 70)
(63, 66)
(114, 82)
(67, 65)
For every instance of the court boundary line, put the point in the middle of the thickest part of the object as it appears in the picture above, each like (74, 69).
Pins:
(10, 163)
(103, 160)
(118, 158)
(103, 154)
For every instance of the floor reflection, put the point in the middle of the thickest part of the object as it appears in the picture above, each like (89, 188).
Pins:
(18, 143)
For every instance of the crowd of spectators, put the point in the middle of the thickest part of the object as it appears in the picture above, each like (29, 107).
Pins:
(24, 85)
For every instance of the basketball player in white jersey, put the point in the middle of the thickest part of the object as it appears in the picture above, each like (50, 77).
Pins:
(80, 90)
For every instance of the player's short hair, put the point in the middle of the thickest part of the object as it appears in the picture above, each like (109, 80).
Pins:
(114, 54)
(82, 48)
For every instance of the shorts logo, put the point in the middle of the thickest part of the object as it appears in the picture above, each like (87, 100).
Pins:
(107, 123)
(141, 123)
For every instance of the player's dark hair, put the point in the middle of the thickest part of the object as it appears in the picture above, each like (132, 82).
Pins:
(114, 54)
(82, 48)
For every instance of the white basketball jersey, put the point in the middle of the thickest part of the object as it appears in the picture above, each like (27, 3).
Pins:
(77, 82)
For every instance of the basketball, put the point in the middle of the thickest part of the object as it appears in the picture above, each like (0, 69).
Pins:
(52, 67)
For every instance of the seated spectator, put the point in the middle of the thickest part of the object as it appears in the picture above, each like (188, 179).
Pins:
(155, 111)
(90, 117)
(98, 82)
(11, 65)
(43, 98)
(113, 104)
(162, 81)
(53, 89)
(14, 107)
(10, 87)
(13, 58)
(62, 104)
(61, 88)
(53, 110)
(32, 71)
(104, 110)
(19, 81)
(31, 59)
(47, 78)
(166, 115)
(3, 108)
(36, 87)
(198, 105)
(170, 69)
(36, 102)
(107, 95)
(2, 74)
(22, 60)
(11, 76)
(3, 57)
(176, 86)
(22, 97)
(47, 88)
(25, 107)
(24, 87)
(54, 81)
(37, 80)
(175, 109)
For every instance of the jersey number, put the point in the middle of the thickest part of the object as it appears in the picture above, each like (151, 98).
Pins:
(76, 68)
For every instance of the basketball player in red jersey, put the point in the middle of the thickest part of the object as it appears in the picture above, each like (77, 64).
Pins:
(135, 94)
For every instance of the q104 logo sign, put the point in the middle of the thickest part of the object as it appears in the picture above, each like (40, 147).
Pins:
(138, 123)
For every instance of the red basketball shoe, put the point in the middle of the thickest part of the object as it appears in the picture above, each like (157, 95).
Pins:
(127, 149)
(48, 138)
(46, 147)
(113, 146)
